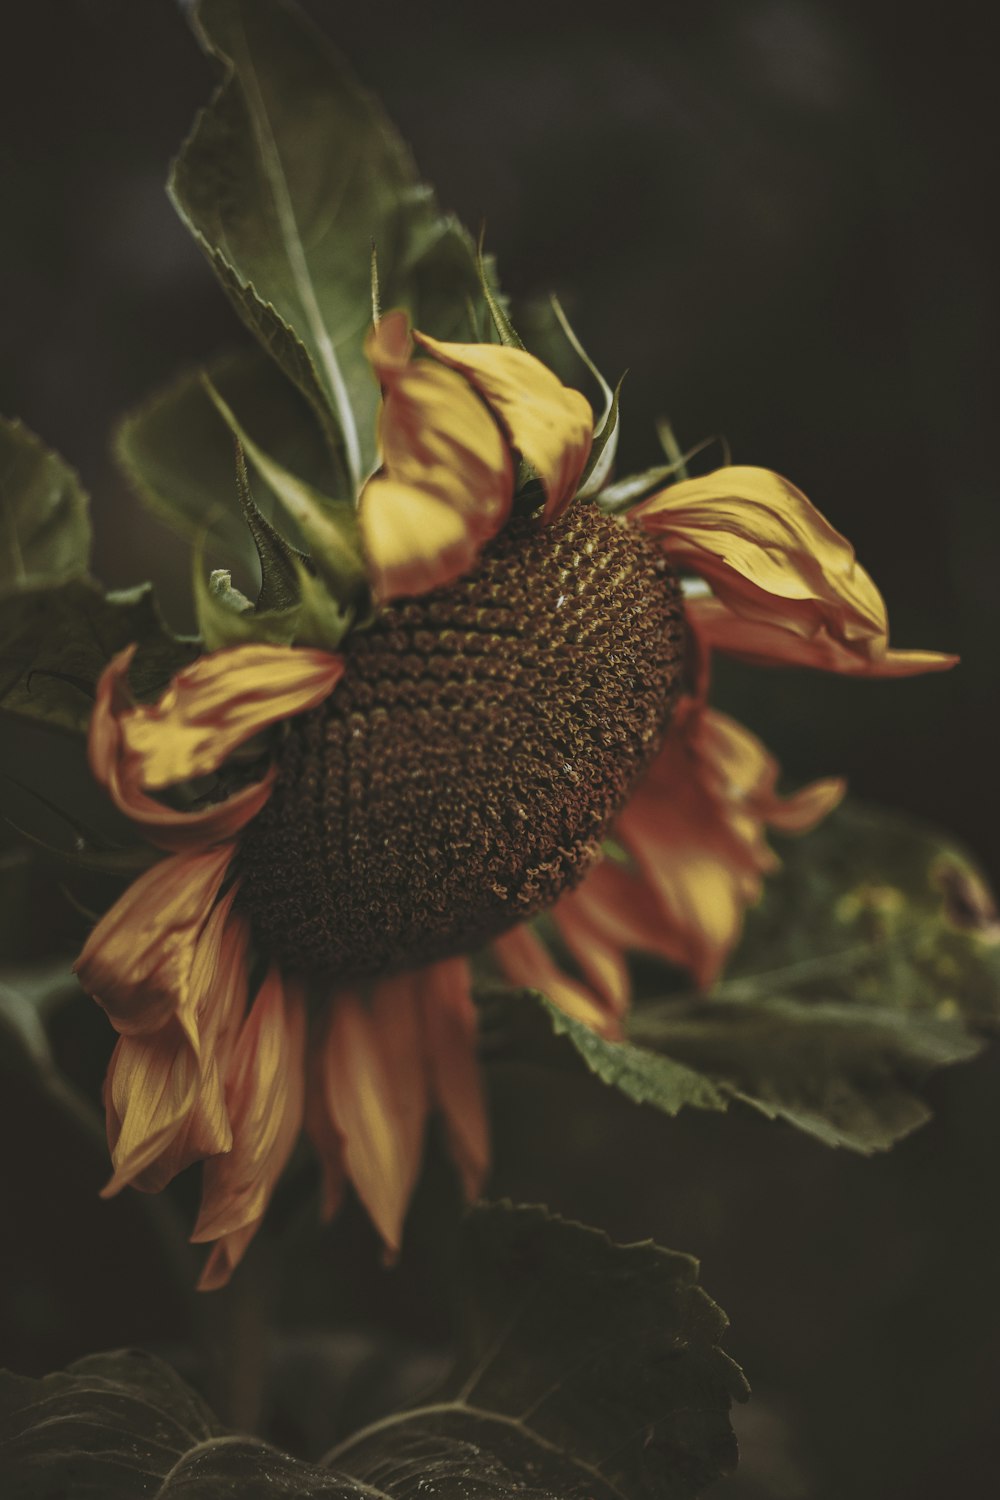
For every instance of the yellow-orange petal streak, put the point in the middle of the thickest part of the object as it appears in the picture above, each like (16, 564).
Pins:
(265, 1091)
(149, 1094)
(768, 645)
(526, 961)
(610, 913)
(768, 554)
(550, 423)
(375, 1088)
(447, 481)
(696, 828)
(448, 1020)
(137, 961)
(213, 706)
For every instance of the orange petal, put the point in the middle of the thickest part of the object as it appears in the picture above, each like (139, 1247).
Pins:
(770, 645)
(121, 775)
(609, 914)
(213, 706)
(448, 1018)
(163, 1098)
(137, 961)
(149, 1094)
(768, 554)
(265, 1087)
(375, 1087)
(696, 829)
(550, 423)
(447, 481)
(526, 961)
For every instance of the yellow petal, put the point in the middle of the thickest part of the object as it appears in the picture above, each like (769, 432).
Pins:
(448, 1019)
(526, 961)
(149, 1094)
(121, 775)
(768, 554)
(447, 481)
(137, 961)
(376, 1094)
(770, 645)
(221, 700)
(265, 1089)
(550, 423)
(610, 913)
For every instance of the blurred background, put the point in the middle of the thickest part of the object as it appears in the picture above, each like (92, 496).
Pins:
(774, 213)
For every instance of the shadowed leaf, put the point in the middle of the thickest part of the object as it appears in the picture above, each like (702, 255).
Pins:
(44, 521)
(589, 1371)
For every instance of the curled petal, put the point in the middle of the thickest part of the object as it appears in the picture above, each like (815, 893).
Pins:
(447, 480)
(265, 1088)
(769, 645)
(137, 961)
(768, 554)
(550, 423)
(375, 1089)
(448, 1021)
(121, 775)
(696, 829)
(526, 961)
(213, 706)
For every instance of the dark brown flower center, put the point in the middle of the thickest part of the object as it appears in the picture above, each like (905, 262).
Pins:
(465, 768)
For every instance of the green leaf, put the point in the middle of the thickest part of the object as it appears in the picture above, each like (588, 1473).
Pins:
(290, 174)
(587, 1370)
(56, 641)
(177, 450)
(873, 960)
(44, 520)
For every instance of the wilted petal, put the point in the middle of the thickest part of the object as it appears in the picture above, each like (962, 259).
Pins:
(265, 1088)
(448, 1019)
(446, 483)
(550, 423)
(770, 645)
(375, 1087)
(149, 1093)
(611, 913)
(121, 775)
(768, 554)
(137, 961)
(213, 706)
(526, 961)
(696, 829)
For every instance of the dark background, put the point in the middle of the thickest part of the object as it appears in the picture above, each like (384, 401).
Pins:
(775, 215)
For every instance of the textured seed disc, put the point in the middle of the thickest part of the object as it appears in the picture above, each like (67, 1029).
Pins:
(464, 770)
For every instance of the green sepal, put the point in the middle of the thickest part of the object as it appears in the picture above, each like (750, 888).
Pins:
(177, 451)
(505, 330)
(277, 558)
(329, 526)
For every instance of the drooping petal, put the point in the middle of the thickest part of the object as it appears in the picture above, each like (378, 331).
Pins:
(265, 1091)
(375, 1088)
(447, 479)
(137, 961)
(769, 645)
(448, 1021)
(526, 961)
(325, 1137)
(213, 706)
(609, 914)
(121, 774)
(550, 423)
(768, 554)
(696, 829)
(149, 1093)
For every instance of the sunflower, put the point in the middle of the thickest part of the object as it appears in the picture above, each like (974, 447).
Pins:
(519, 725)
